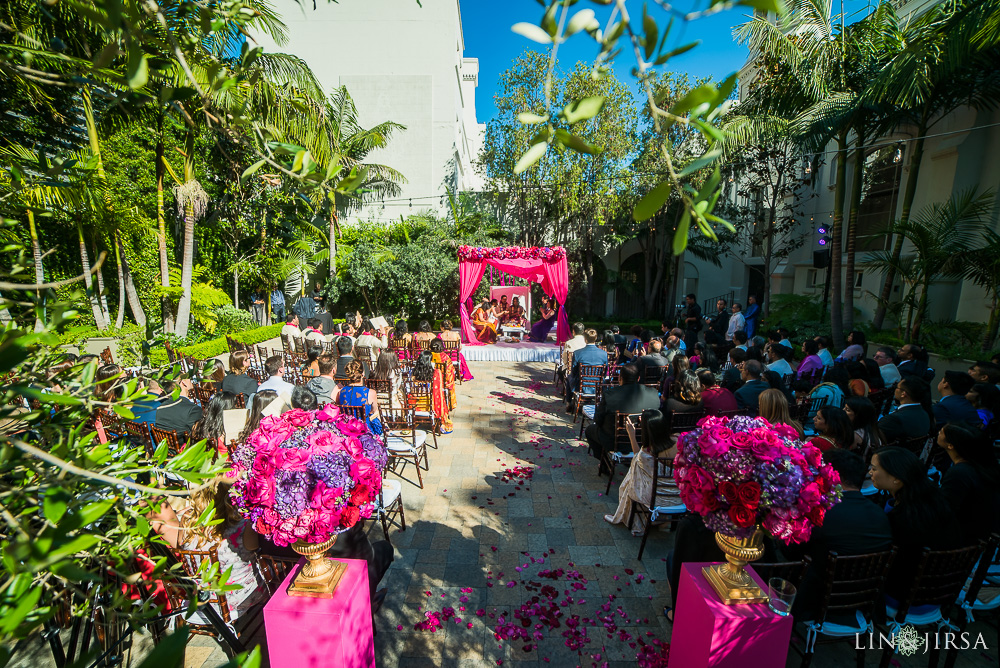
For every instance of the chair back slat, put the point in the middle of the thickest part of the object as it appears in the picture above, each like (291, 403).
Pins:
(353, 411)
(622, 441)
(793, 571)
(680, 422)
(138, 434)
(940, 577)
(854, 583)
(168, 435)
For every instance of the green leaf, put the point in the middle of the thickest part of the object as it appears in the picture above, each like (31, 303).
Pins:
(532, 32)
(576, 143)
(681, 235)
(698, 96)
(652, 32)
(582, 110)
(124, 412)
(169, 652)
(137, 71)
(582, 20)
(55, 503)
(676, 52)
(652, 202)
(529, 118)
(771, 6)
(12, 619)
(708, 157)
(530, 157)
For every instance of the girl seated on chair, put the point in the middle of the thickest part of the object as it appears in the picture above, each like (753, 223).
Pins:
(356, 394)
(233, 538)
(637, 486)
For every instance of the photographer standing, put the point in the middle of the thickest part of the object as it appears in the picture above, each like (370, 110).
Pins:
(692, 322)
(717, 324)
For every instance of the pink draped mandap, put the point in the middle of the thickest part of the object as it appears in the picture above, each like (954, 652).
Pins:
(546, 266)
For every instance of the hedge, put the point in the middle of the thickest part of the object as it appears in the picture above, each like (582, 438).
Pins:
(218, 346)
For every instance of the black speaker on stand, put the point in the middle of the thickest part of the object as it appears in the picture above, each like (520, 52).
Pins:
(821, 259)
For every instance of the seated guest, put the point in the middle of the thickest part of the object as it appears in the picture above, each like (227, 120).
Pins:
(732, 377)
(679, 363)
(311, 367)
(652, 360)
(874, 374)
(685, 394)
(424, 332)
(971, 485)
(715, 399)
(778, 354)
(540, 330)
(864, 419)
(679, 333)
(515, 315)
(885, 357)
(399, 333)
(356, 394)
(642, 348)
(774, 409)
(911, 361)
(211, 427)
(706, 357)
(495, 313)
(290, 331)
(671, 348)
(342, 330)
(503, 308)
(812, 366)
(824, 350)
(590, 355)
(447, 369)
(776, 381)
(108, 383)
(985, 372)
(213, 373)
(387, 368)
(323, 385)
(637, 486)
(256, 413)
(855, 349)
(275, 368)
(985, 398)
(370, 338)
(178, 414)
(428, 377)
(918, 514)
(858, 382)
(144, 410)
(486, 329)
(344, 357)
(833, 429)
(573, 344)
(314, 332)
(608, 345)
(953, 406)
(853, 526)
(630, 397)
(914, 417)
(303, 398)
(833, 389)
(740, 340)
(747, 395)
(620, 339)
(784, 334)
(237, 381)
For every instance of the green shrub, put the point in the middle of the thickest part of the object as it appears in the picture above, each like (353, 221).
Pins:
(130, 340)
(218, 346)
(230, 319)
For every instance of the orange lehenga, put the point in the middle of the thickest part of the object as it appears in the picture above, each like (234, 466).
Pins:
(449, 377)
(486, 331)
(439, 402)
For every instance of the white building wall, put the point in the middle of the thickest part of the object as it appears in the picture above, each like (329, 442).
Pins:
(404, 63)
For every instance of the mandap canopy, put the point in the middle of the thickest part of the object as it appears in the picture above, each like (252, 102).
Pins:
(546, 266)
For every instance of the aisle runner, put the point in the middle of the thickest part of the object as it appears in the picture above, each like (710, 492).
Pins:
(512, 352)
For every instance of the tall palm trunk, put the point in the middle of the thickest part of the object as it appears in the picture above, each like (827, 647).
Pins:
(921, 309)
(131, 293)
(120, 316)
(852, 229)
(102, 295)
(993, 324)
(836, 249)
(95, 305)
(333, 243)
(187, 259)
(36, 255)
(897, 248)
(161, 230)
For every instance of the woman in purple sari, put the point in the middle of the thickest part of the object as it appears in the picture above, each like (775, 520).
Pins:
(540, 330)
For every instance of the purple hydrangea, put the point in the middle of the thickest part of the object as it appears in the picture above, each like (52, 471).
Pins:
(333, 469)
(291, 492)
(375, 450)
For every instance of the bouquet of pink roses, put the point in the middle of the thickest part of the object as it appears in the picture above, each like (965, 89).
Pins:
(742, 471)
(307, 475)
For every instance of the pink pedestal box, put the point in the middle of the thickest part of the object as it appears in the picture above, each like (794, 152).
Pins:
(707, 632)
(322, 632)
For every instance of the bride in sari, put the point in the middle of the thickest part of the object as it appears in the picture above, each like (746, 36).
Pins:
(515, 314)
(485, 324)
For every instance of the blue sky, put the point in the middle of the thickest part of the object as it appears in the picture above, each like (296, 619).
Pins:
(488, 37)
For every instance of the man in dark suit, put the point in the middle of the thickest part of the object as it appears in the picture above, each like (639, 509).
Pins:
(910, 363)
(630, 397)
(954, 407)
(853, 526)
(590, 354)
(344, 348)
(748, 395)
(718, 324)
(178, 414)
(732, 377)
(653, 359)
(910, 420)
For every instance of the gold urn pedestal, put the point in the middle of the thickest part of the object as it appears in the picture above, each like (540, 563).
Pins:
(730, 580)
(320, 575)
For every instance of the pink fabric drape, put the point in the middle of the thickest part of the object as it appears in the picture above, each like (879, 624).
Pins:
(470, 273)
(556, 283)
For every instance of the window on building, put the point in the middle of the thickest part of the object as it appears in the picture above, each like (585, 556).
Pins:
(878, 209)
(859, 279)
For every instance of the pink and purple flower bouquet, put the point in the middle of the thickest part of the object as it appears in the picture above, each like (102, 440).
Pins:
(511, 253)
(307, 475)
(743, 471)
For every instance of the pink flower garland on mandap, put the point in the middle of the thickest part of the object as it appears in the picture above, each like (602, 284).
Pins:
(742, 471)
(511, 253)
(307, 475)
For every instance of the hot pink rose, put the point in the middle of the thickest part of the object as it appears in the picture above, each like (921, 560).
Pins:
(297, 417)
(325, 498)
(367, 509)
(801, 530)
(777, 527)
(698, 491)
(328, 413)
(263, 466)
(365, 472)
(722, 433)
(810, 496)
(787, 432)
(352, 426)
(322, 443)
(741, 440)
(763, 450)
(260, 491)
(711, 445)
(292, 459)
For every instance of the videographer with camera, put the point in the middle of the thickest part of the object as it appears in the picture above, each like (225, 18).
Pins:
(692, 321)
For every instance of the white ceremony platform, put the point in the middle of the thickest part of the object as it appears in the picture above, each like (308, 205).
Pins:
(525, 351)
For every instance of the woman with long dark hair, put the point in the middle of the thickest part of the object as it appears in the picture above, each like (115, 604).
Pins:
(855, 349)
(706, 357)
(833, 429)
(211, 427)
(637, 486)
(425, 374)
(540, 330)
(875, 380)
(918, 512)
(261, 400)
(858, 383)
(311, 368)
(971, 485)
(387, 368)
(864, 419)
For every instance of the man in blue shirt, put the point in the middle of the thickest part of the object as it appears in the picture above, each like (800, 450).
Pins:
(590, 354)
(277, 305)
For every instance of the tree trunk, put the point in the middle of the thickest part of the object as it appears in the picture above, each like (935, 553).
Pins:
(921, 309)
(102, 295)
(134, 303)
(36, 255)
(897, 248)
(333, 242)
(120, 316)
(236, 287)
(95, 305)
(161, 231)
(992, 325)
(836, 250)
(852, 230)
(187, 259)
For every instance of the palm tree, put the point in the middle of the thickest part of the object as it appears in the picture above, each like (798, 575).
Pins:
(949, 60)
(983, 268)
(941, 236)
